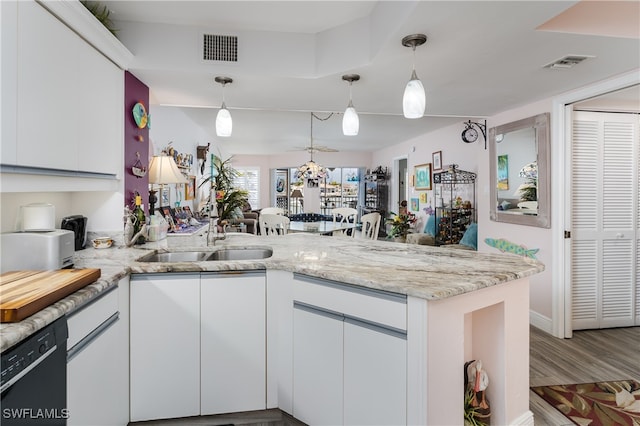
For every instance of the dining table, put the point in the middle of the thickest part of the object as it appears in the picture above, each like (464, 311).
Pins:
(321, 227)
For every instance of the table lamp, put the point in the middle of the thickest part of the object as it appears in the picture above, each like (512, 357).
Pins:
(162, 170)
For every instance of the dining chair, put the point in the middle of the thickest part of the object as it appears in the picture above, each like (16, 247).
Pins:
(370, 225)
(273, 224)
(344, 215)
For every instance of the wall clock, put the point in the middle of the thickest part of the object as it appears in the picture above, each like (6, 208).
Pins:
(469, 135)
(472, 131)
(140, 115)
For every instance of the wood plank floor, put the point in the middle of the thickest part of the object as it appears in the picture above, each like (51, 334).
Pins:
(590, 356)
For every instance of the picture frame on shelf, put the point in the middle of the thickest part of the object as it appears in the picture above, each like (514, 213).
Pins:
(190, 188)
(188, 211)
(422, 173)
(436, 159)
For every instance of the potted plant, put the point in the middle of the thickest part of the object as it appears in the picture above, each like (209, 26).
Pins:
(229, 200)
(400, 225)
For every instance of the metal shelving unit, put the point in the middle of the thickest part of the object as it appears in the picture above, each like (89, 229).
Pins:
(456, 210)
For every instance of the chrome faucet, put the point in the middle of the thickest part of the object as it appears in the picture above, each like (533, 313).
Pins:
(213, 235)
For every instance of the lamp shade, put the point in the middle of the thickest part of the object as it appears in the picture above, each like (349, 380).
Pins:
(224, 124)
(296, 194)
(350, 121)
(414, 100)
(163, 169)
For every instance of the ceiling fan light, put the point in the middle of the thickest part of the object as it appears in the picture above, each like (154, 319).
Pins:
(350, 121)
(414, 99)
(224, 123)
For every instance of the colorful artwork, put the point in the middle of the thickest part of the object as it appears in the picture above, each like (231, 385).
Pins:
(503, 172)
(509, 247)
(415, 204)
(422, 173)
(423, 198)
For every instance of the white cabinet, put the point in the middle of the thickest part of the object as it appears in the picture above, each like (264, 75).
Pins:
(349, 354)
(165, 346)
(317, 366)
(69, 99)
(375, 375)
(233, 346)
(197, 344)
(98, 364)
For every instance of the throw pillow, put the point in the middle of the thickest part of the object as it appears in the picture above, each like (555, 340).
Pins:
(236, 213)
(430, 226)
(470, 237)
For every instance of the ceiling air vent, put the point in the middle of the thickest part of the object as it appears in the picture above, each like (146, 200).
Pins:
(219, 48)
(567, 61)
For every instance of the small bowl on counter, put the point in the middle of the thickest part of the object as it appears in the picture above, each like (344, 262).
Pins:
(102, 242)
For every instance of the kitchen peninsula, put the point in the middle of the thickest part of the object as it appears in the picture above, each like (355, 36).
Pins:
(446, 306)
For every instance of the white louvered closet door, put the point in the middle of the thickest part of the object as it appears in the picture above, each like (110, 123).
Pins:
(605, 217)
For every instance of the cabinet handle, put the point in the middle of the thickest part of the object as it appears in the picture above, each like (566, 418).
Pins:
(89, 338)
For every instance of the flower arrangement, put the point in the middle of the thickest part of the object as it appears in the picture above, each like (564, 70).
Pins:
(400, 224)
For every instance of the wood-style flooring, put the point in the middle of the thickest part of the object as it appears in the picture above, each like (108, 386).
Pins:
(590, 356)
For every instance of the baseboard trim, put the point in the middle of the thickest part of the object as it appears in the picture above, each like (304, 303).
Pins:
(540, 321)
(525, 419)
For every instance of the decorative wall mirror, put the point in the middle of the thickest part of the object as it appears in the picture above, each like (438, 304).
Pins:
(520, 180)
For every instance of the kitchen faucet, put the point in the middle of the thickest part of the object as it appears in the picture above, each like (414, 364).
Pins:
(212, 234)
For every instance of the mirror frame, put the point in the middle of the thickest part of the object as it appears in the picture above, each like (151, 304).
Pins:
(540, 123)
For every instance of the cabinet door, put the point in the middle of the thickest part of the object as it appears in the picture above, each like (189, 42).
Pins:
(317, 366)
(70, 98)
(233, 333)
(100, 396)
(97, 380)
(165, 346)
(375, 375)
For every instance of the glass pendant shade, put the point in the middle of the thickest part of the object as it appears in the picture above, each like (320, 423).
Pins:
(311, 170)
(224, 124)
(414, 100)
(350, 121)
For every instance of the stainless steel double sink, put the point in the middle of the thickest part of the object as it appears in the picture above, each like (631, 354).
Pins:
(232, 253)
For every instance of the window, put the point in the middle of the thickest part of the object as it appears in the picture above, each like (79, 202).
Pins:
(249, 180)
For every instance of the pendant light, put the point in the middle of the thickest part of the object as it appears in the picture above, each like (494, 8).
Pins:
(350, 120)
(311, 169)
(224, 123)
(413, 101)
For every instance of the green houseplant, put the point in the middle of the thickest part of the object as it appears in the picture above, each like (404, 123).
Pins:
(229, 200)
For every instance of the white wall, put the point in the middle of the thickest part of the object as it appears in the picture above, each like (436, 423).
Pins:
(419, 151)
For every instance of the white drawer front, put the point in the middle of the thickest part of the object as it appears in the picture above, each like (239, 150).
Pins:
(89, 317)
(384, 308)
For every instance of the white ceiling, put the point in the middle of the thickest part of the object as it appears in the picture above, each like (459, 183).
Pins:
(481, 58)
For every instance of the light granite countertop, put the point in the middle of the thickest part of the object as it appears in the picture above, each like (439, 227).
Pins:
(426, 272)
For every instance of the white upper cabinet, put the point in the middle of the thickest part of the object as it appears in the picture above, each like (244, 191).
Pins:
(69, 100)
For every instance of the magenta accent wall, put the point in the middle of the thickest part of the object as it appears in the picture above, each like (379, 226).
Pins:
(135, 140)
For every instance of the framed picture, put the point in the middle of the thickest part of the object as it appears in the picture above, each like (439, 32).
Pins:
(503, 172)
(190, 188)
(422, 172)
(280, 184)
(415, 205)
(423, 198)
(164, 197)
(188, 211)
(436, 158)
(166, 212)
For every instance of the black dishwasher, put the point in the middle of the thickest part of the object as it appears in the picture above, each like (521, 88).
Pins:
(34, 378)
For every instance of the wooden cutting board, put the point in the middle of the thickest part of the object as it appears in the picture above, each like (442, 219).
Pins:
(23, 293)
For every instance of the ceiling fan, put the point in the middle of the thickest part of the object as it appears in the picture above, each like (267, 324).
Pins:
(311, 148)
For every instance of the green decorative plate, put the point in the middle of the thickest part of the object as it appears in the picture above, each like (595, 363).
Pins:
(140, 115)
